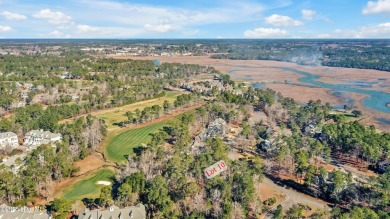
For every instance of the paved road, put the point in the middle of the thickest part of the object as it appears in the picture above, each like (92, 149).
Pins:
(293, 197)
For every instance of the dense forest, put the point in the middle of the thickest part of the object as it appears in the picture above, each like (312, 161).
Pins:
(173, 185)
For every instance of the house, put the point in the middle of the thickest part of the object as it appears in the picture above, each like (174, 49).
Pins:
(215, 129)
(311, 129)
(14, 162)
(39, 137)
(74, 97)
(24, 95)
(8, 139)
(217, 78)
(65, 75)
(7, 212)
(133, 212)
(382, 166)
(186, 87)
(266, 146)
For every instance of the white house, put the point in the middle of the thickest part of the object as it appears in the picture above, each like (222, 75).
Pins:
(8, 139)
(39, 137)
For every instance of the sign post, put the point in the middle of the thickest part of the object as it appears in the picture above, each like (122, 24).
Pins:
(215, 169)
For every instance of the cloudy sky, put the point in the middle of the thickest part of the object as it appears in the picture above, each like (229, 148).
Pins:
(194, 19)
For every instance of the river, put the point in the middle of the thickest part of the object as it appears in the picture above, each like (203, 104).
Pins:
(377, 100)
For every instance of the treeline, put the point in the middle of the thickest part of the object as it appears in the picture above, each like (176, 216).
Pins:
(155, 111)
(175, 70)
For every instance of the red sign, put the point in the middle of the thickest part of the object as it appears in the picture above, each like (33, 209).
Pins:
(215, 169)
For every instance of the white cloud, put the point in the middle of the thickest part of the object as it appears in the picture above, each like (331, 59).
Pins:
(5, 28)
(13, 16)
(161, 28)
(377, 31)
(87, 28)
(282, 21)
(56, 34)
(54, 17)
(266, 33)
(308, 14)
(142, 15)
(381, 6)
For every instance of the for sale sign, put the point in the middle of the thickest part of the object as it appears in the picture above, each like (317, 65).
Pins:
(215, 169)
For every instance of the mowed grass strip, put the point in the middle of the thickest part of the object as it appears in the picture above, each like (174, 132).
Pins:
(117, 114)
(88, 188)
(124, 143)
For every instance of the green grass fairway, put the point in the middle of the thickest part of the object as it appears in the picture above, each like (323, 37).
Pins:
(117, 114)
(124, 143)
(88, 188)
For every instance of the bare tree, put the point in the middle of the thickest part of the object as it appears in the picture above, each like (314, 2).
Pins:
(216, 200)
(237, 212)
(93, 134)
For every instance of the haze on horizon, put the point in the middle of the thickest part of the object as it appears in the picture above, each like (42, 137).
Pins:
(195, 19)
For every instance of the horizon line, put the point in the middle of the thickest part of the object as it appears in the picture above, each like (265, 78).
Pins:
(2, 39)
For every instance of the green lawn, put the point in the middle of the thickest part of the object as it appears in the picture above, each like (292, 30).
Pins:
(124, 143)
(88, 188)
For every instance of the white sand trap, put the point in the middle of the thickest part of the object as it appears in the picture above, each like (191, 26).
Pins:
(106, 183)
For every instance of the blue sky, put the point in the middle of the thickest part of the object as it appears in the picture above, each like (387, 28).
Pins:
(194, 19)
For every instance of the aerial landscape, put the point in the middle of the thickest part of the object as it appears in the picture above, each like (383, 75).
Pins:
(253, 109)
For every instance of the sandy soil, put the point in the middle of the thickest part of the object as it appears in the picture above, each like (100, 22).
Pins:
(90, 163)
(106, 183)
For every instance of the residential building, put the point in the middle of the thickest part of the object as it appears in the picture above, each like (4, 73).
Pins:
(7, 212)
(24, 95)
(133, 212)
(8, 139)
(382, 166)
(266, 146)
(39, 137)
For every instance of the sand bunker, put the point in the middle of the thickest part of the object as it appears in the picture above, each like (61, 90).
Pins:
(106, 183)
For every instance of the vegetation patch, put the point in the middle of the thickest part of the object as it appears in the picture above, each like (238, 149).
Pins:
(88, 187)
(125, 143)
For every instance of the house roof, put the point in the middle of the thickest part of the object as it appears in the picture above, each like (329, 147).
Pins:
(7, 135)
(133, 212)
(43, 134)
(7, 212)
(24, 215)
